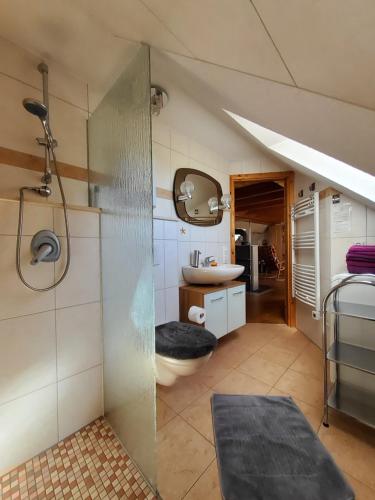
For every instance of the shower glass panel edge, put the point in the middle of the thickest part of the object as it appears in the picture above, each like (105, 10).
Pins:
(119, 139)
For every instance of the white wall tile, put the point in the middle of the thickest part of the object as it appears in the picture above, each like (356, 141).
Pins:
(158, 268)
(179, 143)
(184, 254)
(171, 263)
(172, 307)
(212, 249)
(212, 234)
(158, 228)
(178, 161)
(159, 307)
(80, 400)
(160, 132)
(15, 298)
(81, 224)
(161, 157)
(27, 354)
(163, 208)
(170, 230)
(28, 426)
(82, 283)
(197, 233)
(183, 231)
(79, 339)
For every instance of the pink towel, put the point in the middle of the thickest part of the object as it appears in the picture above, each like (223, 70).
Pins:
(360, 259)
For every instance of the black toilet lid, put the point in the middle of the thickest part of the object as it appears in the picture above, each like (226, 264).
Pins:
(183, 340)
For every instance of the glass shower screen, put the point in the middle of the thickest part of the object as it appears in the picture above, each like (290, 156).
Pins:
(119, 133)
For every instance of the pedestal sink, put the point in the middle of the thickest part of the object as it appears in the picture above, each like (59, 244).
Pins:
(212, 275)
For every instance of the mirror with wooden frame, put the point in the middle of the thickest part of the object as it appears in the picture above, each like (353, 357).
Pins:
(194, 195)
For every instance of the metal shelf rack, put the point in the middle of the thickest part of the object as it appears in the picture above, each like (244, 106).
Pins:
(355, 402)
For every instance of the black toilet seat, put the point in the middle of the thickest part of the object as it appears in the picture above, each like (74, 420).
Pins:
(183, 340)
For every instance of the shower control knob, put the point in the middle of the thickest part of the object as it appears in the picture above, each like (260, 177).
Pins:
(45, 247)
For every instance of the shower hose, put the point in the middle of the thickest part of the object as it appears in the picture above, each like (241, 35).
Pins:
(19, 232)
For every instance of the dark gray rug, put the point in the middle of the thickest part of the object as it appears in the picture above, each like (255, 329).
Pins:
(266, 450)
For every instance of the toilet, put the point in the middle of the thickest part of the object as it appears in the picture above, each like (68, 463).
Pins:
(181, 350)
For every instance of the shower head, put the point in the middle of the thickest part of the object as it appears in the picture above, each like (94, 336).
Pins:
(40, 110)
(36, 108)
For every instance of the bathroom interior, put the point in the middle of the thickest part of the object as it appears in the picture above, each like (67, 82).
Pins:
(166, 173)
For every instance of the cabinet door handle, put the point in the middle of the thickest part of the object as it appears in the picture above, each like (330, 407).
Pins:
(238, 293)
(215, 300)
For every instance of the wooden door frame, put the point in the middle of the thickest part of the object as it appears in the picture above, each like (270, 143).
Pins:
(288, 178)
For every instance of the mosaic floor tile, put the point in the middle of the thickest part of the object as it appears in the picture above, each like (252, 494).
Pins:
(89, 464)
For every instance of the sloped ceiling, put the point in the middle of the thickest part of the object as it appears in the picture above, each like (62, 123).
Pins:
(304, 68)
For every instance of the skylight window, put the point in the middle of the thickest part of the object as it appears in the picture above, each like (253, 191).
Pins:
(336, 171)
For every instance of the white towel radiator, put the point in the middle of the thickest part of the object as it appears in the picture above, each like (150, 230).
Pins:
(306, 277)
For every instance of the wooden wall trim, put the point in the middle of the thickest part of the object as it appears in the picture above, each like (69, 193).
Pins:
(164, 193)
(288, 178)
(28, 161)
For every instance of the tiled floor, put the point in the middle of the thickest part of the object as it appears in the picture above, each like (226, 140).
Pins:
(89, 464)
(256, 359)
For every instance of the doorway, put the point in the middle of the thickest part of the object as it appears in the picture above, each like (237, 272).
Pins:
(261, 242)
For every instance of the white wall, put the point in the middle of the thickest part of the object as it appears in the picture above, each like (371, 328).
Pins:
(333, 247)
(174, 240)
(50, 342)
(19, 78)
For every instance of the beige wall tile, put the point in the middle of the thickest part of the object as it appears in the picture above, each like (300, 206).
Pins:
(15, 298)
(12, 179)
(79, 339)
(27, 354)
(35, 218)
(28, 425)
(82, 283)
(80, 400)
(76, 192)
(81, 223)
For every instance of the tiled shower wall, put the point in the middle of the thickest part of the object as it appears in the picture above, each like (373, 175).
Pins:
(174, 240)
(50, 342)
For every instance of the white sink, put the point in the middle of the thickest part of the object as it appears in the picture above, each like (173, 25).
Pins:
(212, 275)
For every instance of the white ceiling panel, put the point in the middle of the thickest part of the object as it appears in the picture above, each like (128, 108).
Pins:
(132, 20)
(328, 45)
(341, 130)
(225, 32)
(88, 38)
